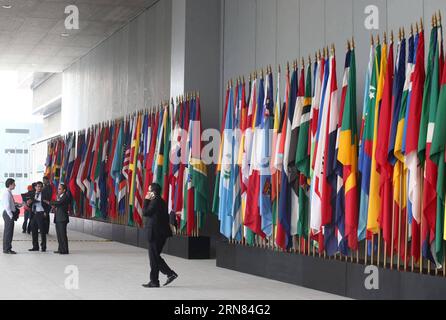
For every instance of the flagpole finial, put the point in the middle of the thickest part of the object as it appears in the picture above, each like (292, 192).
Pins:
(400, 34)
(278, 68)
(288, 66)
(378, 40)
(333, 49)
(303, 62)
(411, 29)
(353, 43)
(348, 45)
(434, 21)
(385, 37)
(309, 60)
(421, 24)
(404, 32)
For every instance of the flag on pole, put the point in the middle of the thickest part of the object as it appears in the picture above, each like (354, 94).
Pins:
(395, 157)
(374, 194)
(366, 140)
(411, 146)
(427, 126)
(348, 151)
(225, 196)
(303, 155)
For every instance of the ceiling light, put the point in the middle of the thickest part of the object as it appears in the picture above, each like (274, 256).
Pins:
(6, 6)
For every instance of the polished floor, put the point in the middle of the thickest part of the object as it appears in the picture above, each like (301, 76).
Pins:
(109, 270)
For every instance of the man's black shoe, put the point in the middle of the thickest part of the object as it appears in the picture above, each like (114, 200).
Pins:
(151, 285)
(23, 231)
(56, 252)
(171, 278)
(43, 250)
(34, 249)
(12, 252)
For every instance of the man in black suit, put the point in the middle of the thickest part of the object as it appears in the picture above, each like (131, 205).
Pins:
(39, 220)
(158, 230)
(47, 194)
(61, 218)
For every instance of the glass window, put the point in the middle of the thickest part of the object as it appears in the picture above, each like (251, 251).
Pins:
(6, 175)
(26, 175)
(18, 175)
(11, 175)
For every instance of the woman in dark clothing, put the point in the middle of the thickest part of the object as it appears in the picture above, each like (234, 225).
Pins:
(158, 230)
(61, 218)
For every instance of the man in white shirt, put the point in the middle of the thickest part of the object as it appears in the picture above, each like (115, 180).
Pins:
(8, 207)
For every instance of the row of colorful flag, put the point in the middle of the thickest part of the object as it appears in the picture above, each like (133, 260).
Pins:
(109, 167)
(319, 179)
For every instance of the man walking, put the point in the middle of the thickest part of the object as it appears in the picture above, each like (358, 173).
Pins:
(158, 230)
(8, 207)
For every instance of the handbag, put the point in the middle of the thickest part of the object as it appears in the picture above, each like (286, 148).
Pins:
(16, 214)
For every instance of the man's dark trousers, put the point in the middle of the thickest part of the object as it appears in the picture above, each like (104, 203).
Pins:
(8, 232)
(39, 223)
(62, 239)
(157, 264)
(27, 221)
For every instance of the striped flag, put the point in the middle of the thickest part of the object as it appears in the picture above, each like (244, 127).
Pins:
(303, 154)
(427, 126)
(348, 151)
(366, 140)
(411, 146)
(374, 197)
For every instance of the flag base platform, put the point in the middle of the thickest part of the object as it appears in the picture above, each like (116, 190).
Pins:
(190, 248)
(328, 275)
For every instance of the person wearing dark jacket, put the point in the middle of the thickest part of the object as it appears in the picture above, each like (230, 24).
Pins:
(158, 231)
(38, 220)
(27, 198)
(61, 218)
(47, 195)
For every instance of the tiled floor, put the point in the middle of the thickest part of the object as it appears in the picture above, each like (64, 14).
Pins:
(109, 270)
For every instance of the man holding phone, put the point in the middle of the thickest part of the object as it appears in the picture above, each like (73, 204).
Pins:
(158, 231)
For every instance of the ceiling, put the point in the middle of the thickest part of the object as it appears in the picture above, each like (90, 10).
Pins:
(33, 36)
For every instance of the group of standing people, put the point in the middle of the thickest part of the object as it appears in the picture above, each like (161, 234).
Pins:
(38, 206)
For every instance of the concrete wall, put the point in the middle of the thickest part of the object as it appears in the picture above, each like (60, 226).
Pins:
(48, 91)
(51, 124)
(129, 71)
(258, 33)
